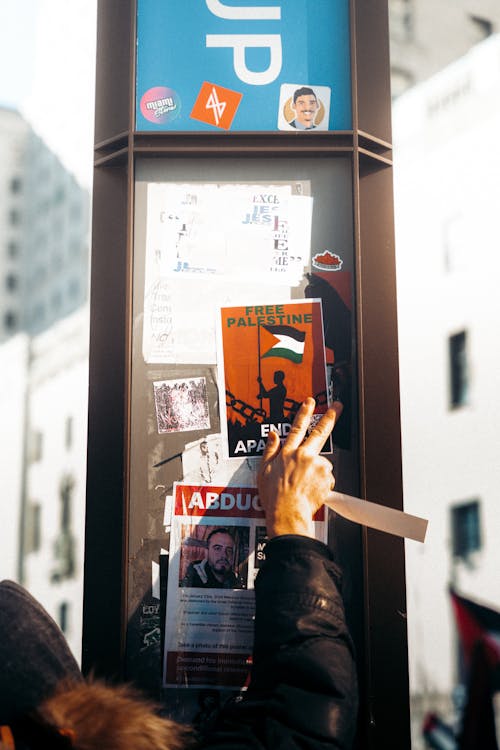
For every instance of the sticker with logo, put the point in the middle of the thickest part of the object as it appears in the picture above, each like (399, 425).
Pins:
(216, 105)
(160, 105)
(327, 261)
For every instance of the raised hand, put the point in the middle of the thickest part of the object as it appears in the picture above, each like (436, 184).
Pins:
(293, 479)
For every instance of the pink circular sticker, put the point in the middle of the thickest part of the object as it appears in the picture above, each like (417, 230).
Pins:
(160, 105)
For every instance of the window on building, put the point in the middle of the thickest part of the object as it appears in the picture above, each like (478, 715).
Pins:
(63, 616)
(12, 249)
(68, 432)
(401, 17)
(33, 527)
(35, 452)
(66, 495)
(74, 289)
(64, 544)
(459, 370)
(11, 282)
(14, 217)
(38, 314)
(15, 185)
(56, 301)
(482, 26)
(10, 321)
(465, 529)
(59, 194)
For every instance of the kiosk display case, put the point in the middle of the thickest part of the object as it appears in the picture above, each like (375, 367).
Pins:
(191, 216)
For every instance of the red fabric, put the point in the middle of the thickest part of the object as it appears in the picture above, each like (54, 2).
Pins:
(472, 631)
(478, 723)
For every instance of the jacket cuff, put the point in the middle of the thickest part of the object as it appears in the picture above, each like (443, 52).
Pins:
(287, 544)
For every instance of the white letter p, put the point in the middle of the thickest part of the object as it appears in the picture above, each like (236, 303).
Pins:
(239, 43)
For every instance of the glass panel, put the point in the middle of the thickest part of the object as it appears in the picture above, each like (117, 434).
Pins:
(209, 234)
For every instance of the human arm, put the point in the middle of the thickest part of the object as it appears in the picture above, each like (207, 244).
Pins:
(303, 691)
(294, 479)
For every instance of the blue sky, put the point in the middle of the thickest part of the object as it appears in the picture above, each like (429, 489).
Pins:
(18, 20)
(47, 58)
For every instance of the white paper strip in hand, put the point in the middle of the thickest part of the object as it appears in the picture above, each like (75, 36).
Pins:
(378, 516)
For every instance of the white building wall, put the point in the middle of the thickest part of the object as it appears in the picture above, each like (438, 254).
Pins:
(58, 391)
(13, 384)
(447, 167)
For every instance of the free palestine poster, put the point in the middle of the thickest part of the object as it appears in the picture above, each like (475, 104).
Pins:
(272, 357)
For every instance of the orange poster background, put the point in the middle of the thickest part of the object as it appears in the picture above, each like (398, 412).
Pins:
(241, 355)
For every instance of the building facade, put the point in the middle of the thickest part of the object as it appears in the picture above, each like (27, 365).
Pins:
(52, 513)
(447, 162)
(44, 230)
(426, 35)
(14, 137)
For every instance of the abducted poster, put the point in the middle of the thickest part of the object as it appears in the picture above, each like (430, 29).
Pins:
(243, 65)
(271, 358)
(217, 545)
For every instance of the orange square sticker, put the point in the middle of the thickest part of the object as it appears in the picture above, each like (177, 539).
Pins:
(216, 105)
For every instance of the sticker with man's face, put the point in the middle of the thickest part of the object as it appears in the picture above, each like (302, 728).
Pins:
(304, 107)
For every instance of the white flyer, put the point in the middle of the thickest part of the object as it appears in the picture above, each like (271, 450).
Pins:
(207, 244)
(228, 230)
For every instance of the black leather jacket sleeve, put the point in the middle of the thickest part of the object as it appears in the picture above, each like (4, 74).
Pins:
(303, 690)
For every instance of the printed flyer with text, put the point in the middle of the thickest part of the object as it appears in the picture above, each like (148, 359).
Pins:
(271, 357)
(221, 244)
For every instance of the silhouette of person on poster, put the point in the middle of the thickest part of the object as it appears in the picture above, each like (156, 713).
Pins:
(276, 396)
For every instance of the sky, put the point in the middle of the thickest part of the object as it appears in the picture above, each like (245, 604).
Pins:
(47, 72)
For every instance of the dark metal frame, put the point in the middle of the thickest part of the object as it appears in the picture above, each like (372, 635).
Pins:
(384, 718)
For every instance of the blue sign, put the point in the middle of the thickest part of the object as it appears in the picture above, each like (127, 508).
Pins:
(243, 65)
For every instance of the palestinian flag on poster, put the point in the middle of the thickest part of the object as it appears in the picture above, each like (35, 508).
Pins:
(290, 344)
(477, 623)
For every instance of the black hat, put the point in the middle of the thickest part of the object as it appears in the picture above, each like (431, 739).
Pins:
(34, 655)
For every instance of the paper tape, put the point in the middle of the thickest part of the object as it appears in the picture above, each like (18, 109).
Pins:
(377, 516)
